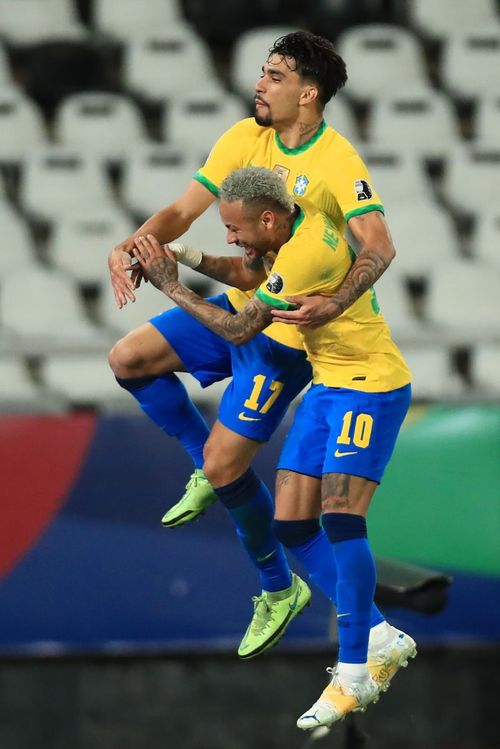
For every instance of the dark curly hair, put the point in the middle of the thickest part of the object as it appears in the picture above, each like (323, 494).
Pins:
(315, 59)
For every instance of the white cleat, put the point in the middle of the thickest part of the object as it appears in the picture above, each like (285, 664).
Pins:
(386, 662)
(337, 700)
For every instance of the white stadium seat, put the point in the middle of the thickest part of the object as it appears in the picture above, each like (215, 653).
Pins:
(432, 372)
(155, 175)
(166, 63)
(471, 63)
(250, 52)
(338, 115)
(486, 239)
(129, 19)
(396, 307)
(81, 240)
(83, 379)
(149, 302)
(419, 121)
(463, 301)
(485, 366)
(470, 180)
(21, 126)
(42, 308)
(487, 122)
(20, 393)
(397, 176)
(57, 179)
(197, 119)
(6, 79)
(17, 245)
(424, 239)
(378, 58)
(104, 124)
(33, 21)
(444, 18)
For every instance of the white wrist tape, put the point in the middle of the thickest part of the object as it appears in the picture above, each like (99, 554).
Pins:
(186, 254)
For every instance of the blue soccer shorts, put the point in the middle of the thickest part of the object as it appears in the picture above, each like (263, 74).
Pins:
(266, 375)
(338, 430)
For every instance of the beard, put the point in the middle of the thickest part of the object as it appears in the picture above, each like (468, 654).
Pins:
(264, 120)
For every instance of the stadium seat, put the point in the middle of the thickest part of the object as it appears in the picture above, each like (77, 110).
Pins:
(19, 393)
(250, 52)
(463, 301)
(81, 240)
(57, 179)
(129, 19)
(6, 79)
(107, 125)
(445, 18)
(397, 176)
(485, 366)
(424, 239)
(469, 179)
(155, 175)
(197, 119)
(43, 310)
(396, 307)
(338, 115)
(149, 302)
(85, 380)
(432, 373)
(486, 238)
(166, 63)
(378, 58)
(422, 122)
(487, 123)
(26, 22)
(16, 244)
(470, 63)
(21, 126)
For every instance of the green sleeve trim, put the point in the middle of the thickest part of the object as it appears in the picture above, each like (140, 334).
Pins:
(277, 303)
(206, 183)
(365, 209)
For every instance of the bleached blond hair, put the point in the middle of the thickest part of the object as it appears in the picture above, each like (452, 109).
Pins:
(257, 187)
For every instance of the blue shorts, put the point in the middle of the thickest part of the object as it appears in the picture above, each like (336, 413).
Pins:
(266, 375)
(338, 430)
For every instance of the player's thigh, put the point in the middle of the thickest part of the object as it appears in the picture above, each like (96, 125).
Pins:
(143, 352)
(297, 496)
(227, 455)
(203, 354)
(267, 376)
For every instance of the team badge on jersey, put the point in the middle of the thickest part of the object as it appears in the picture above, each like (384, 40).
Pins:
(282, 171)
(363, 189)
(275, 283)
(300, 185)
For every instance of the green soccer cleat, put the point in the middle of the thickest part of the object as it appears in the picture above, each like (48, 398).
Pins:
(272, 614)
(198, 496)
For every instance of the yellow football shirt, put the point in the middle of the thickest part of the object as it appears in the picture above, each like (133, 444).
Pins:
(325, 173)
(355, 350)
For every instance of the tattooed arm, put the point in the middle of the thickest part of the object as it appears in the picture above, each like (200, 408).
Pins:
(159, 265)
(234, 271)
(375, 256)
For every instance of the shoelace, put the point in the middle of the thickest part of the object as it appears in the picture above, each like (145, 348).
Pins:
(261, 617)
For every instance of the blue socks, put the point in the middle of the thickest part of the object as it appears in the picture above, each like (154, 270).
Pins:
(251, 508)
(166, 401)
(308, 542)
(356, 580)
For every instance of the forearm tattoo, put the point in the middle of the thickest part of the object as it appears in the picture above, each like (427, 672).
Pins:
(237, 329)
(335, 491)
(220, 268)
(366, 269)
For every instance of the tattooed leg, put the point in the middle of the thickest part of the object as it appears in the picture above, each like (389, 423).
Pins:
(297, 496)
(341, 492)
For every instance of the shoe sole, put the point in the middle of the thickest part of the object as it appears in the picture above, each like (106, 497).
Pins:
(183, 519)
(279, 632)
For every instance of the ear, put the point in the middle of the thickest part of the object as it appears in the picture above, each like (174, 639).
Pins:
(309, 94)
(267, 219)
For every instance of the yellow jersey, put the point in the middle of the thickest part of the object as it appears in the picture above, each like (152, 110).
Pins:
(326, 173)
(355, 350)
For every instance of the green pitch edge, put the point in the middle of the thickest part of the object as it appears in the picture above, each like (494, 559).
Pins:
(439, 503)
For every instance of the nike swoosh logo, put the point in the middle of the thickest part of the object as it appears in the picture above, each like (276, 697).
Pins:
(293, 604)
(268, 556)
(339, 454)
(243, 417)
(339, 615)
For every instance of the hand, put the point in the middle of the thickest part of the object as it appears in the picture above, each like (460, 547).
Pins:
(120, 263)
(312, 311)
(158, 263)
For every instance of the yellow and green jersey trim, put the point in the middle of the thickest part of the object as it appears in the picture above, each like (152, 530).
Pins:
(272, 301)
(305, 146)
(207, 183)
(365, 209)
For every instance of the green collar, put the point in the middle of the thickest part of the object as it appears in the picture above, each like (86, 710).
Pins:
(300, 149)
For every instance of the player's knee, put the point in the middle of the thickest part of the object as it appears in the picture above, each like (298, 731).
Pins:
(221, 469)
(125, 360)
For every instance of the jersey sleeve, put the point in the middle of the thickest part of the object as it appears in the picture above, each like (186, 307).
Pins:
(350, 183)
(226, 155)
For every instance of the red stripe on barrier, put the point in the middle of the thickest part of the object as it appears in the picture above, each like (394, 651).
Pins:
(40, 458)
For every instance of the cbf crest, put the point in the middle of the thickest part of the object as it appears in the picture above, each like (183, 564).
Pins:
(300, 185)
